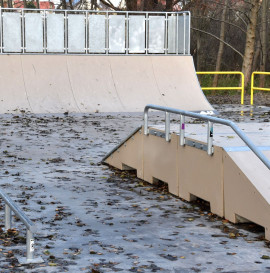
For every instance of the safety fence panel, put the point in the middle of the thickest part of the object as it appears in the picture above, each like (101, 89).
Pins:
(33, 31)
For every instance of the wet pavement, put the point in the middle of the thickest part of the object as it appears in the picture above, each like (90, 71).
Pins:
(92, 218)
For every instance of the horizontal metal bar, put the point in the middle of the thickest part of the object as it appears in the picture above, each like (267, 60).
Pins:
(221, 88)
(229, 123)
(28, 223)
(261, 88)
(97, 11)
(220, 72)
(261, 73)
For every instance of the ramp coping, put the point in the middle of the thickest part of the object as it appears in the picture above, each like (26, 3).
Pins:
(211, 120)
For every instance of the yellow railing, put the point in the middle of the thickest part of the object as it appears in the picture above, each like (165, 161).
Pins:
(242, 87)
(257, 88)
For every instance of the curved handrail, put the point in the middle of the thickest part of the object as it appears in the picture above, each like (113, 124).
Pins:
(210, 120)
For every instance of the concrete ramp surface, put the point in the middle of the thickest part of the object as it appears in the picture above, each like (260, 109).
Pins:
(59, 83)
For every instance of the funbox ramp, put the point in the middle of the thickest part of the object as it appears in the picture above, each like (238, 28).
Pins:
(234, 180)
(60, 83)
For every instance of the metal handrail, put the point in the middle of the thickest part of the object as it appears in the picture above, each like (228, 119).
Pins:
(210, 120)
(31, 228)
(242, 87)
(257, 88)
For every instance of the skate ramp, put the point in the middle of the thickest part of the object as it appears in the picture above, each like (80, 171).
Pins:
(60, 83)
(233, 180)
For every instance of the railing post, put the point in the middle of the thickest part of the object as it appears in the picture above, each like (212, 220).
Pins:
(243, 87)
(182, 130)
(252, 89)
(29, 245)
(146, 122)
(210, 138)
(8, 217)
(167, 126)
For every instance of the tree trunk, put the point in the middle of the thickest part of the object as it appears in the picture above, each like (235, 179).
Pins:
(264, 41)
(250, 41)
(132, 4)
(169, 5)
(70, 4)
(148, 5)
(221, 44)
(38, 6)
(64, 4)
(198, 52)
(256, 55)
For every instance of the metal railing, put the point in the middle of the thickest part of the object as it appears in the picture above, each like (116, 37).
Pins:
(210, 120)
(257, 88)
(30, 226)
(242, 87)
(47, 31)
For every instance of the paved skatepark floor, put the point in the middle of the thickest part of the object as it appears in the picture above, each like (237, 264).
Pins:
(92, 218)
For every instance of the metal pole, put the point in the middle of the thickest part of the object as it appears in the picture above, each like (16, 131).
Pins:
(210, 138)
(66, 32)
(252, 90)
(167, 126)
(8, 217)
(147, 34)
(29, 245)
(184, 49)
(1, 32)
(146, 122)
(107, 32)
(182, 130)
(23, 31)
(166, 34)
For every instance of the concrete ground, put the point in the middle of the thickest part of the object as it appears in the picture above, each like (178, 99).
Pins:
(92, 218)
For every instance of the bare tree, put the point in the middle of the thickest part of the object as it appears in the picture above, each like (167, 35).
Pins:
(264, 40)
(221, 44)
(250, 40)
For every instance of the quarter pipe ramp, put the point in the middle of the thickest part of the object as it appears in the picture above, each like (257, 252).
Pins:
(60, 83)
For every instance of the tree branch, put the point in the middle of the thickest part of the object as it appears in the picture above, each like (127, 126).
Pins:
(214, 36)
(215, 19)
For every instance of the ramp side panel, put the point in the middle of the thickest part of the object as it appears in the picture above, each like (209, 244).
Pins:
(129, 154)
(47, 83)
(247, 189)
(201, 175)
(178, 83)
(13, 96)
(160, 161)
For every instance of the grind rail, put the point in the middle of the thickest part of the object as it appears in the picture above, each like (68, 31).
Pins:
(30, 226)
(211, 121)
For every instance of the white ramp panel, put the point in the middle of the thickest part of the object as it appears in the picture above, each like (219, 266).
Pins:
(136, 34)
(55, 33)
(172, 34)
(33, 32)
(117, 34)
(12, 32)
(97, 42)
(181, 34)
(156, 34)
(76, 33)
